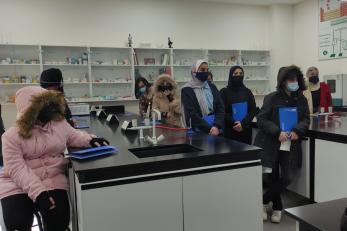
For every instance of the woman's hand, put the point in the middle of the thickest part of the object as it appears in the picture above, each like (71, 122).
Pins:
(98, 141)
(283, 137)
(214, 131)
(238, 126)
(294, 136)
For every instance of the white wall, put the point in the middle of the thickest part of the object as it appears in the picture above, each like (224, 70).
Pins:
(281, 33)
(108, 23)
(305, 40)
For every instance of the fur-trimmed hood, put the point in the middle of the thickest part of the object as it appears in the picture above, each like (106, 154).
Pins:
(30, 101)
(160, 81)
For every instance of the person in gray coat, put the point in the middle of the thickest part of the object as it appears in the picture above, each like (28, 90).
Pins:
(290, 85)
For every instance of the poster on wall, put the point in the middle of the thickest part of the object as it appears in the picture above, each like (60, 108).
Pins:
(332, 29)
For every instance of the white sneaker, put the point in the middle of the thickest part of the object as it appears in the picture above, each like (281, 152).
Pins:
(276, 216)
(265, 209)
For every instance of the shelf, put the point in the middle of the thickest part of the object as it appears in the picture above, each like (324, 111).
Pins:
(120, 82)
(17, 84)
(66, 65)
(23, 64)
(69, 83)
(93, 100)
(151, 65)
(182, 81)
(256, 80)
(264, 65)
(182, 65)
(109, 65)
(229, 66)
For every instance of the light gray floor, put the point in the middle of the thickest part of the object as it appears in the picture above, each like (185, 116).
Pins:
(288, 224)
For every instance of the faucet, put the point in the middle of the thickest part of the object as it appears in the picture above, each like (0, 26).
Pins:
(154, 140)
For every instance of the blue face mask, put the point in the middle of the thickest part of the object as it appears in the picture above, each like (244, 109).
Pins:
(202, 76)
(293, 86)
(142, 89)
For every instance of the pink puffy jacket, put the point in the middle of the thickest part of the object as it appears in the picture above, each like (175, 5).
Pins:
(36, 164)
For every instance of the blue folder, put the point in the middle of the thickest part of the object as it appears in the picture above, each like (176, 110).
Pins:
(93, 152)
(288, 118)
(209, 119)
(239, 110)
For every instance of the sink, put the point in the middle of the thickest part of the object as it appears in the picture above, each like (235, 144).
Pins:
(163, 150)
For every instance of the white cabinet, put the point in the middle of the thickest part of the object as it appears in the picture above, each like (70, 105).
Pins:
(301, 179)
(223, 201)
(330, 171)
(145, 206)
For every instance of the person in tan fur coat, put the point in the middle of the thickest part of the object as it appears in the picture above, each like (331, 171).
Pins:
(167, 100)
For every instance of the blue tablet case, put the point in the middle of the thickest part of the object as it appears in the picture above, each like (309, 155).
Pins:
(93, 152)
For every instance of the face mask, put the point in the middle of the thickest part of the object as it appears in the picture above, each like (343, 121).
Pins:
(142, 89)
(314, 79)
(47, 114)
(163, 88)
(293, 86)
(202, 76)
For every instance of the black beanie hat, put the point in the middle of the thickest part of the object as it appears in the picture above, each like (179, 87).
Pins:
(51, 78)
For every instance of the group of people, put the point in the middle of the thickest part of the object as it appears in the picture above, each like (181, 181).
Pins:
(33, 175)
(205, 109)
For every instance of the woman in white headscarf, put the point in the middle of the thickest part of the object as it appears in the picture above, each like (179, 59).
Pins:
(203, 108)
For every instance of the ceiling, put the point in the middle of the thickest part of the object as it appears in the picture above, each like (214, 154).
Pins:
(255, 2)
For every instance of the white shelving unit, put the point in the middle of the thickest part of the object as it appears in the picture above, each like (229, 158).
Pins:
(255, 64)
(19, 66)
(93, 74)
(149, 63)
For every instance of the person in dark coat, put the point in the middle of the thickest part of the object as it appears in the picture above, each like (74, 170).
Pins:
(52, 79)
(237, 92)
(2, 131)
(201, 99)
(290, 85)
(144, 92)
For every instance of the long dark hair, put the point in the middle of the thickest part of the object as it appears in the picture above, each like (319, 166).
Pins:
(145, 82)
(289, 72)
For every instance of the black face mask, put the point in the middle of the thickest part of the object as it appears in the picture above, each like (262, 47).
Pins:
(47, 114)
(164, 88)
(237, 80)
(314, 79)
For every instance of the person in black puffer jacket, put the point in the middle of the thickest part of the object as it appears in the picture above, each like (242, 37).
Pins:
(290, 85)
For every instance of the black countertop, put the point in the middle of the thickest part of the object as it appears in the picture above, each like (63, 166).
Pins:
(334, 130)
(321, 216)
(215, 151)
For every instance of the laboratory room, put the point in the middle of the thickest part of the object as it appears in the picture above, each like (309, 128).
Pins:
(151, 115)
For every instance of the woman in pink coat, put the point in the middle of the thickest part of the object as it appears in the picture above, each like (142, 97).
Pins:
(33, 177)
